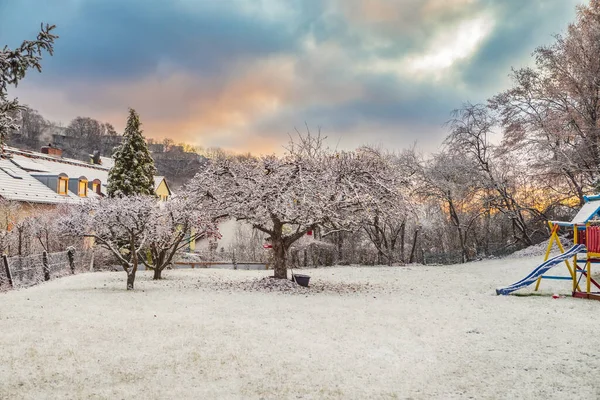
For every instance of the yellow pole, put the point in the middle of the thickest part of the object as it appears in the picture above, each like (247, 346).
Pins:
(548, 249)
(589, 277)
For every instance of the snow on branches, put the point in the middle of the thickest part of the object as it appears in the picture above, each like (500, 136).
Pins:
(13, 66)
(128, 226)
(175, 224)
(285, 197)
(133, 172)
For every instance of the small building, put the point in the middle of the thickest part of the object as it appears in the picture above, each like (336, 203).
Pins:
(161, 188)
(48, 178)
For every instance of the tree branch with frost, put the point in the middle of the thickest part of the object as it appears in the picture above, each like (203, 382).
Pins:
(175, 224)
(13, 67)
(120, 225)
(287, 196)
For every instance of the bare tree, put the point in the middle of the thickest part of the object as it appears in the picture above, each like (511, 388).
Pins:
(454, 183)
(32, 125)
(470, 129)
(89, 131)
(553, 109)
(385, 222)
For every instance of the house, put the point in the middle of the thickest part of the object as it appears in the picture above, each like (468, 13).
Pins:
(48, 178)
(161, 188)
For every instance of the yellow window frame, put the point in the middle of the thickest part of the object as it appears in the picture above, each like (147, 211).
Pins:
(83, 188)
(63, 181)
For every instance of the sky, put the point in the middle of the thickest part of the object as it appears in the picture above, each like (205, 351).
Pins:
(244, 74)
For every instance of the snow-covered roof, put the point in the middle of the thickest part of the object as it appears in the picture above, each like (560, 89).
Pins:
(72, 170)
(587, 212)
(26, 165)
(42, 164)
(590, 209)
(16, 184)
(29, 164)
(157, 181)
(107, 162)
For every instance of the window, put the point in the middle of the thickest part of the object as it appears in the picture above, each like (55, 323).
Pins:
(10, 172)
(83, 186)
(96, 187)
(63, 184)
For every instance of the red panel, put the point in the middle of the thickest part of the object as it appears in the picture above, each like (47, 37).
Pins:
(594, 239)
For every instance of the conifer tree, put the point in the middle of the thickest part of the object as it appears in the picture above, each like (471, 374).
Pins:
(13, 66)
(133, 172)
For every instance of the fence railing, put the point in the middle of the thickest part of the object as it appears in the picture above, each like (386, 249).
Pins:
(25, 271)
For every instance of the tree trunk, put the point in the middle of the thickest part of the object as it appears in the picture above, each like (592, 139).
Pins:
(130, 279)
(279, 265)
(340, 246)
(157, 274)
(134, 264)
(463, 245)
(414, 246)
(402, 238)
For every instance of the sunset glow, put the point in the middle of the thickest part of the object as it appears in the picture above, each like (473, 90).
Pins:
(243, 74)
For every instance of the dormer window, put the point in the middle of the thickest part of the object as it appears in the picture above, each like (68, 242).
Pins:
(83, 186)
(96, 186)
(63, 185)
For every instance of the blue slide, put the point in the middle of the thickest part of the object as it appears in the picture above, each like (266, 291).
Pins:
(542, 269)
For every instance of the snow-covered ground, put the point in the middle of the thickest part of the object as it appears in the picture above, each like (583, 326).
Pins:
(373, 332)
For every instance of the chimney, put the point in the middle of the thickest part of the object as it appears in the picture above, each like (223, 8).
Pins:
(52, 151)
(96, 158)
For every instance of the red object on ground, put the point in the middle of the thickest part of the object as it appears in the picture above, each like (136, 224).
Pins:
(268, 246)
(556, 296)
(309, 233)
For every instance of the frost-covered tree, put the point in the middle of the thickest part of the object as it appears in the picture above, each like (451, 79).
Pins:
(455, 184)
(134, 227)
(121, 225)
(469, 138)
(385, 222)
(133, 172)
(285, 197)
(174, 225)
(13, 66)
(553, 109)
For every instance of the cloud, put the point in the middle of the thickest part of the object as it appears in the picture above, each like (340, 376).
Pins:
(243, 73)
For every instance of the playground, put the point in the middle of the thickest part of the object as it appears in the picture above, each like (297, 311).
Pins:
(372, 332)
(578, 259)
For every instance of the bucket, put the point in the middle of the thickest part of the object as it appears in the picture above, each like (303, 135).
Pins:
(301, 280)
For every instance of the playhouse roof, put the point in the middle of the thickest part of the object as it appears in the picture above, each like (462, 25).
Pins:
(590, 208)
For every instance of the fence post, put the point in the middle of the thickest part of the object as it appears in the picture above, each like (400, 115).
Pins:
(233, 260)
(71, 255)
(45, 266)
(7, 268)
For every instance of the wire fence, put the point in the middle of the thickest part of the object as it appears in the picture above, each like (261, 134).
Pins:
(26, 271)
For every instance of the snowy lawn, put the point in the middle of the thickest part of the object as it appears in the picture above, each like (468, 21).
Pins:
(404, 332)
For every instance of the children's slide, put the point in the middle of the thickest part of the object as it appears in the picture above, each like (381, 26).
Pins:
(542, 269)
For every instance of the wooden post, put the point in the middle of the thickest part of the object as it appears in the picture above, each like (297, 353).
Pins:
(7, 269)
(45, 266)
(71, 256)
(233, 260)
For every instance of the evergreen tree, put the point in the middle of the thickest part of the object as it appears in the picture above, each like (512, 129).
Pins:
(133, 172)
(13, 65)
